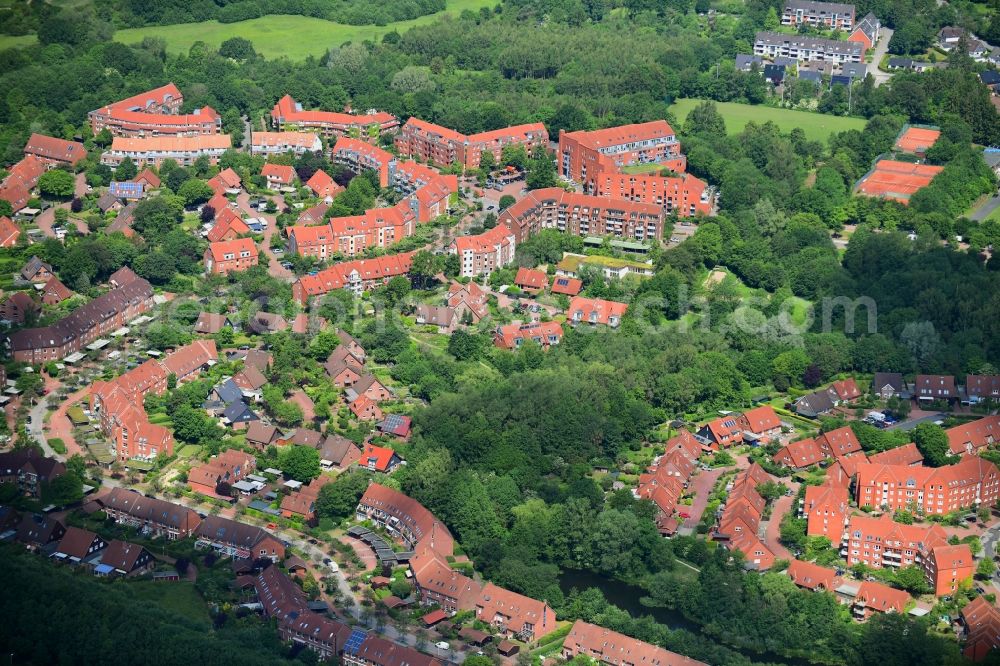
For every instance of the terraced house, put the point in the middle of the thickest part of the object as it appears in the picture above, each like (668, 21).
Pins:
(151, 516)
(443, 146)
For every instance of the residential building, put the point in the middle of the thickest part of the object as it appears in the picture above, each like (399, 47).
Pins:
(469, 299)
(515, 615)
(969, 483)
(21, 179)
(888, 385)
(814, 577)
(582, 154)
(288, 114)
(231, 256)
(37, 271)
(801, 454)
(360, 156)
(664, 481)
(825, 509)
(908, 454)
(55, 292)
(582, 215)
(840, 443)
(813, 404)
(974, 436)
(226, 468)
(55, 150)
(278, 176)
(405, 519)
(343, 367)
(867, 31)
(512, 336)
(935, 387)
(351, 236)
(843, 391)
(100, 316)
(379, 459)
(801, 47)
(150, 515)
(370, 387)
(280, 143)
(442, 317)
(432, 143)
(823, 15)
(228, 226)
(338, 453)
(595, 311)
(947, 567)
(323, 186)
(740, 519)
(154, 113)
(226, 181)
(17, 308)
(484, 253)
(302, 503)
(982, 387)
(614, 649)
(356, 276)
(37, 530)
(210, 323)
(531, 280)
(154, 150)
(438, 584)
(566, 286)
(122, 558)
(762, 421)
(9, 232)
(238, 540)
(875, 597)
(982, 629)
(27, 469)
(881, 542)
(722, 433)
(78, 545)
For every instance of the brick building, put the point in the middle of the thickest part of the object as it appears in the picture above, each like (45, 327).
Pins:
(969, 483)
(230, 256)
(287, 113)
(154, 150)
(823, 15)
(582, 155)
(484, 253)
(155, 113)
(439, 145)
(582, 215)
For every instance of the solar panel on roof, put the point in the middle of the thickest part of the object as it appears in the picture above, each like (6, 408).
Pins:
(354, 641)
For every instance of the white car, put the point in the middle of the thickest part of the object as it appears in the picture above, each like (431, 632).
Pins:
(442, 645)
(333, 567)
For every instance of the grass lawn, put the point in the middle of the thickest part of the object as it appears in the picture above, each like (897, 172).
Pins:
(189, 451)
(273, 36)
(817, 126)
(180, 597)
(643, 168)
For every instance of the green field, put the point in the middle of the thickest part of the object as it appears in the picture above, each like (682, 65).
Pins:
(273, 36)
(179, 597)
(817, 126)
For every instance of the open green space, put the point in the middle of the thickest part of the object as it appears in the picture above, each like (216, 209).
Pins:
(296, 37)
(643, 168)
(817, 126)
(179, 597)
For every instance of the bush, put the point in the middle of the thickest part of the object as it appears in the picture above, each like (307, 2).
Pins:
(57, 445)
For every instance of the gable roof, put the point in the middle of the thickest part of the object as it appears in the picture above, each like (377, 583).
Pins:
(761, 419)
(51, 148)
(531, 279)
(122, 555)
(908, 454)
(811, 576)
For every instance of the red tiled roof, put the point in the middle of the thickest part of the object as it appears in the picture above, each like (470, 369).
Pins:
(60, 150)
(280, 172)
(595, 310)
(566, 285)
(531, 279)
(761, 419)
(235, 247)
(378, 457)
(973, 436)
(811, 576)
(323, 185)
(610, 647)
(908, 454)
(9, 232)
(802, 453)
(882, 598)
(614, 136)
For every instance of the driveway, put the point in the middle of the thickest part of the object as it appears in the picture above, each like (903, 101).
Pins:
(59, 425)
(910, 424)
(274, 267)
(702, 488)
(880, 50)
(46, 219)
(772, 529)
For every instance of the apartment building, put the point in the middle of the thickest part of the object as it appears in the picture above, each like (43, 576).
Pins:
(484, 253)
(51, 149)
(825, 509)
(21, 180)
(614, 649)
(582, 155)
(27, 469)
(280, 143)
(129, 297)
(359, 156)
(974, 436)
(155, 113)
(439, 145)
(357, 276)
(595, 311)
(230, 256)
(881, 542)
(512, 336)
(152, 151)
(582, 215)
(515, 615)
(289, 114)
(823, 15)
(969, 483)
(350, 236)
(947, 567)
(800, 47)
(683, 194)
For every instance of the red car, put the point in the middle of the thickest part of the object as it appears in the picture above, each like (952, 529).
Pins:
(684, 514)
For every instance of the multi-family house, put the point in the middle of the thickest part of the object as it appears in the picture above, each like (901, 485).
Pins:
(150, 515)
(583, 154)
(238, 540)
(55, 150)
(288, 114)
(27, 469)
(443, 146)
(154, 113)
(357, 276)
(971, 482)
(484, 253)
(802, 47)
(515, 615)
(362, 156)
(935, 387)
(595, 311)
(280, 143)
(825, 509)
(974, 436)
(611, 648)
(278, 176)
(184, 150)
(763, 422)
(230, 256)
(228, 467)
(512, 336)
(823, 15)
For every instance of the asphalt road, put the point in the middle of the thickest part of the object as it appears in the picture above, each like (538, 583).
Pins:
(880, 50)
(983, 211)
(913, 423)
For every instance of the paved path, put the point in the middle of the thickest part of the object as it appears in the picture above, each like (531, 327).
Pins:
(59, 425)
(984, 211)
(880, 50)
(274, 266)
(914, 422)
(772, 530)
(47, 218)
(702, 488)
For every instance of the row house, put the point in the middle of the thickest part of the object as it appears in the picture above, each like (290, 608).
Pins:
(515, 615)
(969, 483)
(21, 179)
(664, 481)
(801, 47)
(825, 509)
(739, 519)
(129, 297)
(440, 585)
(982, 629)
(149, 515)
(982, 387)
(595, 311)
(683, 194)
(611, 648)
(230, 256)
(55, 150)
(582, 215)
(238, 540)
(288, 114)
(584, 155)
(359, 156)
(484, 253)
(154, 113)
(280, 143)
(874, 597)
(974, 436)
(376, 227)
(377, 651)
(404, 518)
(513, 336)
(154, 150)
(27, 469)
(302, 503)
(823, 15)
(228, 467)
(439, 145)
(357, 276)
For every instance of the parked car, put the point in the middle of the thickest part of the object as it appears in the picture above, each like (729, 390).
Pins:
(442, 645)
